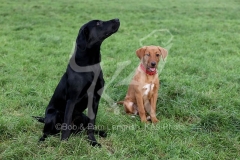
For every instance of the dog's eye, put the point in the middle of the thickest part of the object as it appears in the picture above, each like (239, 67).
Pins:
(157, 55)
(147, 54)
(99, 23)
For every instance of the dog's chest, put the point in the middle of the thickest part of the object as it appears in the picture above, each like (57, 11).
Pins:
(147, 89)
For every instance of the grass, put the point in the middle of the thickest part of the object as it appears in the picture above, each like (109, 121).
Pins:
(198, 104)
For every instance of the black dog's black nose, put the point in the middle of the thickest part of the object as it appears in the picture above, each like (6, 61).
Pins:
(153, 64)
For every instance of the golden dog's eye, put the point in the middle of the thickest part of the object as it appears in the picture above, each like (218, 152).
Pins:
(147, 54)
(157, 55)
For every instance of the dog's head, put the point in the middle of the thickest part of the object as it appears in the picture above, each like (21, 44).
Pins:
(150, 56)
(95, 32)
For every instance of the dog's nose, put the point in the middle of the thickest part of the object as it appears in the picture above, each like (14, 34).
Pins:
(153, 64)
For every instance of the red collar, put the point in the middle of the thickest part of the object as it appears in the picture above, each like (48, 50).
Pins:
(148, 72)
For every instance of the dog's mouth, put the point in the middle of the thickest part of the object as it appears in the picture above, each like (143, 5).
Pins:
(115, 29)
(109, 34)
(151, 69)
(148, 70)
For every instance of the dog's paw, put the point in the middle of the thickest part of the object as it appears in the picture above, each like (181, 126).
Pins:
(102, 134)
(144, 121)
(41, 139)
(63, 138)
(154, 120)
(95, 144)
(92, 140)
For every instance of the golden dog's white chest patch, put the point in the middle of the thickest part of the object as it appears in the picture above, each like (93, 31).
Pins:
(147, 88)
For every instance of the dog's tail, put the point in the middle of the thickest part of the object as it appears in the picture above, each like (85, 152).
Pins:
(120, 102)
(39, 119)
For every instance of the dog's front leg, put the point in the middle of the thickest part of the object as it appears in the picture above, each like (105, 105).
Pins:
(66, 126)
(90, 133)
(140, 105)
(153, 102)
(93, 108)
(92, 113)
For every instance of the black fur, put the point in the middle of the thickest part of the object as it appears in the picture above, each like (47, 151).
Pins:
(81, 85)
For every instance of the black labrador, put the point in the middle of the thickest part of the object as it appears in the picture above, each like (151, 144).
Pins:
(81, 85)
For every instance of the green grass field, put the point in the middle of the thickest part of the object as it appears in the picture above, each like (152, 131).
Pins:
(199, 98)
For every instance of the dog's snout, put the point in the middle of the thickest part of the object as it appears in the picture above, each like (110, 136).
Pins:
(115, 23)
(153, 64)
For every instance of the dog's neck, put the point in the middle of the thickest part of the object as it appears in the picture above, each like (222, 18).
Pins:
(146, 71)
(88, 56)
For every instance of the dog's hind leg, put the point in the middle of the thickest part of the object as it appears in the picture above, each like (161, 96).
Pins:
(80, 122)
(52, 124)
(39, 119)
(130, 108)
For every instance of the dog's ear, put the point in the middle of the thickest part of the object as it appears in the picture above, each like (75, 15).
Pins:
(163, 51)
(140, 52)
(82, 38)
